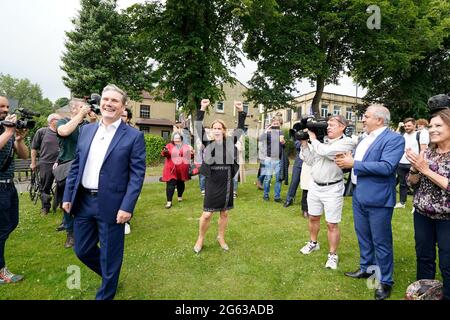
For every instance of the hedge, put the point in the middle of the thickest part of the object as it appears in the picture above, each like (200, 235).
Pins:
(153, 146)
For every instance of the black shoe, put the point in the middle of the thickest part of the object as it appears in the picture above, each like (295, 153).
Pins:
(383, 291)
(266, 198)
(60, 227)
(288, 203)
(358, 274)
(70, 240)
(277, 200)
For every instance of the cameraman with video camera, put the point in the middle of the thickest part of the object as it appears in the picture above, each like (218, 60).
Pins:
(327, 188)
(11, 139)
(67, 131)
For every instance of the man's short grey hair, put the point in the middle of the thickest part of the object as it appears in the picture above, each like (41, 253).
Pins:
(113, 87)
(381, 112)
(52, 116)
(74, 101)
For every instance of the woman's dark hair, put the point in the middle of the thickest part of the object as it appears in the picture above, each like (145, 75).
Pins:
(445, 116)
(129, 113)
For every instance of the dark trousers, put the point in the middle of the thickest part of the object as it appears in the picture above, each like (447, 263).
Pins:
(373, 226)
(46, 182)
(67, 218)
(89, 231)
(427, 233)
(295, 181)
(9, 215)
(305, 200)
(402, 171)
(170, 188)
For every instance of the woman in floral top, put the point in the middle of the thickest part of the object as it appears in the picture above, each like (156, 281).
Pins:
(430, 175)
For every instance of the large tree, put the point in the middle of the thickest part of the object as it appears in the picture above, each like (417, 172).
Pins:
(408, 59)
(194, 43)
(27, 94)
(322, 39)
(100, 51)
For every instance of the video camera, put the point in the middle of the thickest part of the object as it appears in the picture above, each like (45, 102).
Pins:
(26, 119)
(318, 126)
(438, 102)
(94, 102)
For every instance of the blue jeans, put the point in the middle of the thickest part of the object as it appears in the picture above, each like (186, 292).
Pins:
(235, 182)
(271, 166)
(202, 181)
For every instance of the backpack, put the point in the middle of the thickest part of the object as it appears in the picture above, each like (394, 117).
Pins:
(425, 289)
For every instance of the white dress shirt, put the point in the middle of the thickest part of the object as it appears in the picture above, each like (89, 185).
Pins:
(362, 148)
(97, 152)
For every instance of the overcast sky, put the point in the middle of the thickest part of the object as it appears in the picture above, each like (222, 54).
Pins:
(32, 42)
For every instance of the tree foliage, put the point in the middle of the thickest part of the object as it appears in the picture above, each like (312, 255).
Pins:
(27, 94)
(321, 39)
(194, 43)
(408, 59)
(100, 51)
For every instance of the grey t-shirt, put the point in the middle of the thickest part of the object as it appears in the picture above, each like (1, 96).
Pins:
(46, 142)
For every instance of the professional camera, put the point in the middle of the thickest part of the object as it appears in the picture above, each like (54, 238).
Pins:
(318, 126)
(26, 119)
(438, 102)
(94, 102)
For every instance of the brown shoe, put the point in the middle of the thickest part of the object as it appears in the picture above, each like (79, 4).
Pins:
(70, 240)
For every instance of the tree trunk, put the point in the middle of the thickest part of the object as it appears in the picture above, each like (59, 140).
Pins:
(320, 85)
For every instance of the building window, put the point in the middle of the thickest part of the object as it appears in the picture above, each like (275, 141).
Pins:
(289, 115)
(144, 128)
(336, 110)
(145, 111)
(220, 107)
(165, 134)
(324, 111)
(349, 113)
(299, 113)
(245, 105)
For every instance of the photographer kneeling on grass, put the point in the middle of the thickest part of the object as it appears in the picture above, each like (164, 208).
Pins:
(327, 188)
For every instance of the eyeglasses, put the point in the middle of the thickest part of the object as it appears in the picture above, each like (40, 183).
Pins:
(339, 119)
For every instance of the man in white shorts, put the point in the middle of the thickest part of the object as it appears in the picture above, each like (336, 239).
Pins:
(327, 186)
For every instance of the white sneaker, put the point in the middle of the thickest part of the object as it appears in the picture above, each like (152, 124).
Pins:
(332, 261)
(399, 205)
(310, 247)
(127, 228)
(203, 193)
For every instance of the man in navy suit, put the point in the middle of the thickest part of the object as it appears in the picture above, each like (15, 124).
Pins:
(102, 189)
(374, 166)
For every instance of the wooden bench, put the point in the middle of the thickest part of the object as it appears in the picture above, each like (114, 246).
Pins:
(22, 166)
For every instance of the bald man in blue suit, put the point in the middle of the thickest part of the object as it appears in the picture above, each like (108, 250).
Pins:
(374, 166)
(102, 189)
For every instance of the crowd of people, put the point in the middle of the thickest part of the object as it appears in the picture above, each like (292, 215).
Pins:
(80, 152)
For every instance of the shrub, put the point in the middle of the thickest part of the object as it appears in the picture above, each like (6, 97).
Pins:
(153, 146)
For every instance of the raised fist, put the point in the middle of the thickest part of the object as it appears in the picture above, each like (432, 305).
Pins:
(204, 104)
(239, 106)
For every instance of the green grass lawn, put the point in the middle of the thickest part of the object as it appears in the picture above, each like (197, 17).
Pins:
(159, 263)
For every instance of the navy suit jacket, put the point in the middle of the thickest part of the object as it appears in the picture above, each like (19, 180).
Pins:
(121, 175)
(376, 173)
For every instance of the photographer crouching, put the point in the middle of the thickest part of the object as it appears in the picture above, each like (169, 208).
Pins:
(11, 139)
(327, 188)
